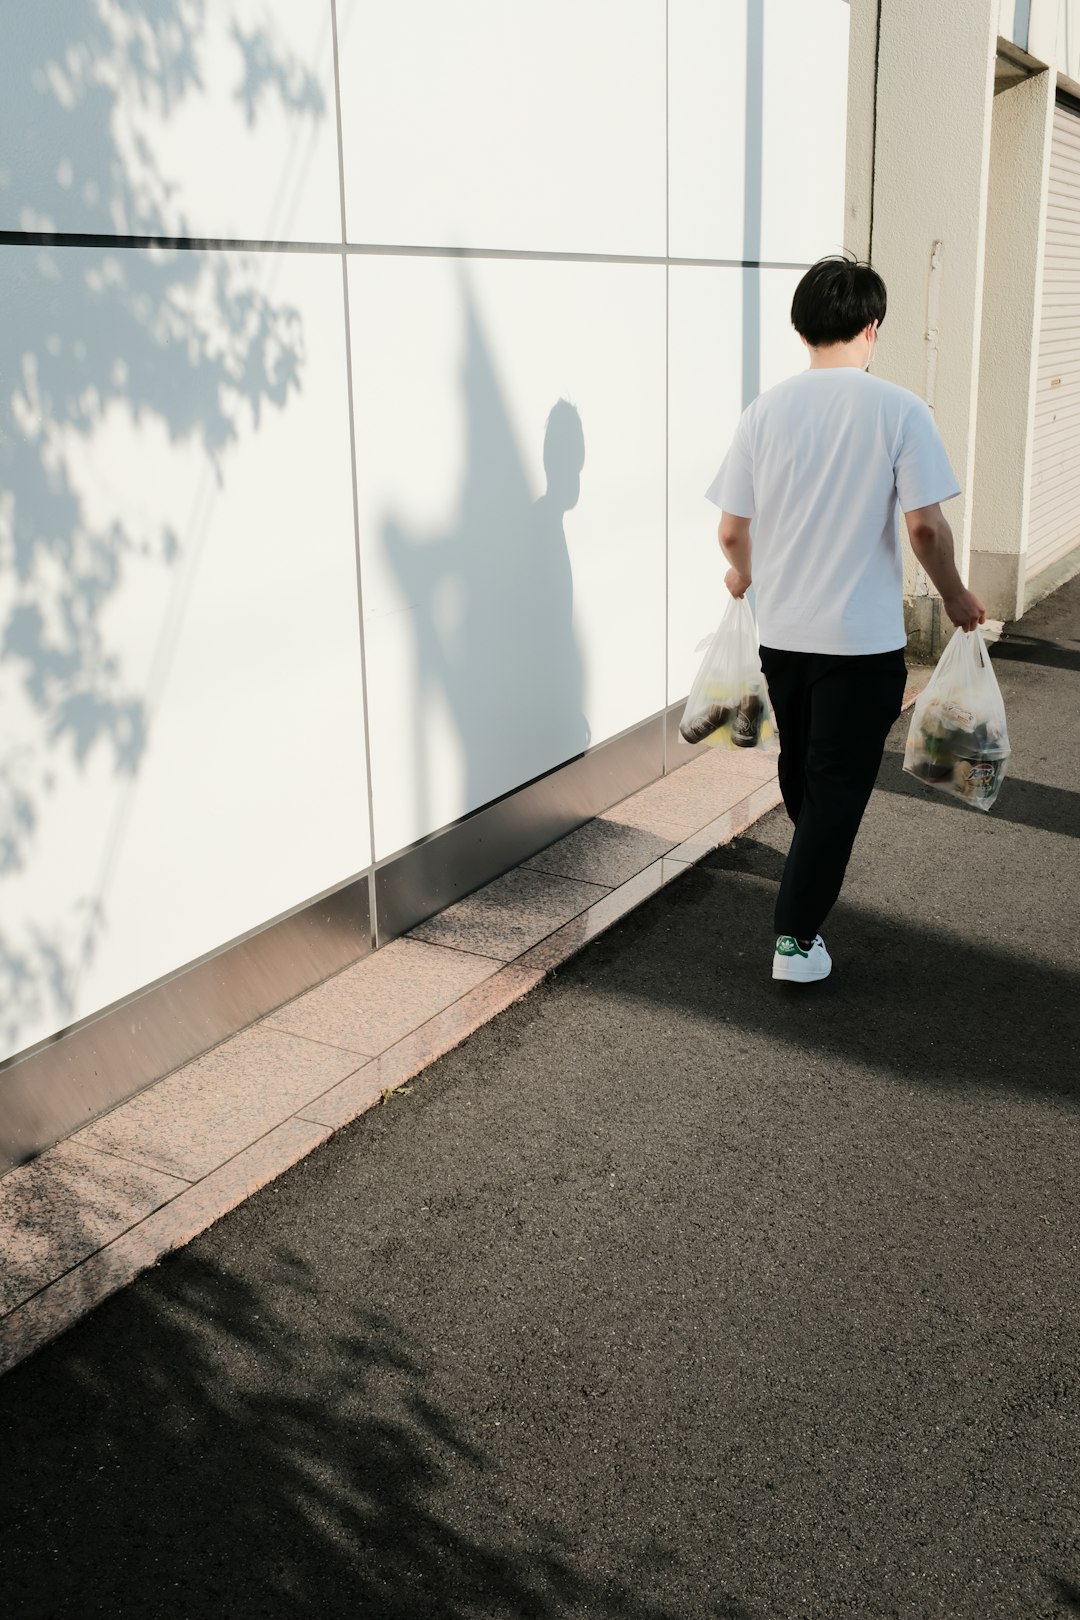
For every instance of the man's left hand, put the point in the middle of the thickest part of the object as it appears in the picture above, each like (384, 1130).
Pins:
(738, 584)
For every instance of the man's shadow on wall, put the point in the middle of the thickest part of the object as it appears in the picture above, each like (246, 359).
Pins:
(492, 603)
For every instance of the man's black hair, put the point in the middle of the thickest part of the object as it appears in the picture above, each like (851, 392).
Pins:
(836, 300)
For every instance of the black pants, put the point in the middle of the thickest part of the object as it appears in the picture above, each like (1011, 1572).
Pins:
(833, 715)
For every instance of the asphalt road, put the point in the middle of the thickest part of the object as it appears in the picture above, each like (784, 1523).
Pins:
(671, 1294)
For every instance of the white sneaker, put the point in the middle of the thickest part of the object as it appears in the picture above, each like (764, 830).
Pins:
(791, 962)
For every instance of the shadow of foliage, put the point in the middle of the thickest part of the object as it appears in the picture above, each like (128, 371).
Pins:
(238, 1454)
(183, 341)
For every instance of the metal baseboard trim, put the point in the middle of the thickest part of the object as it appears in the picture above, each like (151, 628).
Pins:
(678, 752)
(433, 875)
(62, 1085)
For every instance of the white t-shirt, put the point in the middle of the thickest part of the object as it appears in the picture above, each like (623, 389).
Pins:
(822, 462)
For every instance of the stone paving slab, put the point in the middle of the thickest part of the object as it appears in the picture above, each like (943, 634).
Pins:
(202, 1115)
(370, 1006)
(62, 1206)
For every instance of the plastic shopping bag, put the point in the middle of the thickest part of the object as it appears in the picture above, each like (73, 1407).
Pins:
(958, 738)
(728, 706)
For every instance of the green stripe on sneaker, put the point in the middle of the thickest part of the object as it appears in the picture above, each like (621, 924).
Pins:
(787, 945)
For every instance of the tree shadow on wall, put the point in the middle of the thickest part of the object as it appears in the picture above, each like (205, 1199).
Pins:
(184, 343)
(256, 1459)
(492, 599)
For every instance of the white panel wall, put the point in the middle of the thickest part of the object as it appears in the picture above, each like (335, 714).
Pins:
(764, 99)
(758, 111)
(707, 328)
(180, 676)
(532, 125)
(513, 571)
(180, 646)
(185, 119)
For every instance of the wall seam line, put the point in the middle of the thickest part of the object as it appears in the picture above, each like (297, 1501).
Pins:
(373, 923)
(224, 244)
(667, 375)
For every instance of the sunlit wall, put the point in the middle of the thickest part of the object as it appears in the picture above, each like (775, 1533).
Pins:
(317, 532)
(1014, 18)
(1068, 38)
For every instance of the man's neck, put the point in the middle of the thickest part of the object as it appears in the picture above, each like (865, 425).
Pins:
(839, 354)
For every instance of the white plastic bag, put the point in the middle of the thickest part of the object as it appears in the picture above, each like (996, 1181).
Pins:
(958, 739)
(728, 706)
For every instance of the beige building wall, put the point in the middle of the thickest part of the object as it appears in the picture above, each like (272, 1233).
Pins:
(931, 178)
(862, 91)
(1044, 25)
(946, 195)
(1015, 229)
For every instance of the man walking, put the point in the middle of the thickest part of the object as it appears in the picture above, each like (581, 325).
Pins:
(821, 463)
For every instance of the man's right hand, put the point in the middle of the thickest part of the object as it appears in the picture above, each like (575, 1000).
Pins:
(965, 610)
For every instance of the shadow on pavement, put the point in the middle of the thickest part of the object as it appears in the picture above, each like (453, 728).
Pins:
(913, 1000)
(1020, 649)
(301, 1468)
(1067, 1593)
(1027, 804)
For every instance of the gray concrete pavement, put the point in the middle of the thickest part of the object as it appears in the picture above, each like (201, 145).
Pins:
(673, 1293)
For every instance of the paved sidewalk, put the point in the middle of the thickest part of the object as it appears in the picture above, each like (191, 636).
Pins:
(85, 1218)
(670, 1293)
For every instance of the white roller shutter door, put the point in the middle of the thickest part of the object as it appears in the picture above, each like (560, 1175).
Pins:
(1054, 522)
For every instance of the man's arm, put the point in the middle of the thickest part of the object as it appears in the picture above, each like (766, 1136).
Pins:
(735, 543)
(932, 542)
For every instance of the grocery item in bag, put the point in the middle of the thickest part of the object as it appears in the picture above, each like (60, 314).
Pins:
(958, 739)
(728, 706)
